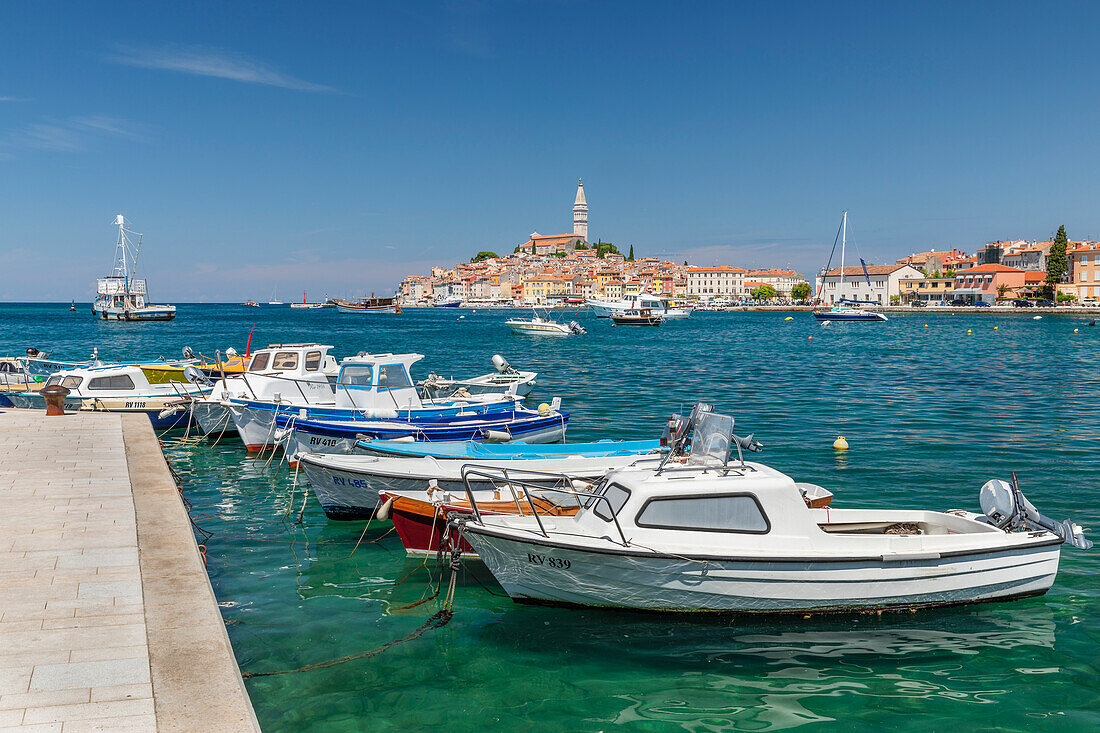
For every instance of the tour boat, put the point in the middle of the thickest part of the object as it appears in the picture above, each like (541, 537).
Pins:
(505, 380)
(122, 296)
(845, 310)
(451, 302)
(602, 308)
(636, 317)
(540, 326)
(348, 486)
(713, 534)
(368, 305)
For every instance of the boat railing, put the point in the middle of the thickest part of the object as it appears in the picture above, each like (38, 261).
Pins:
(494, 474)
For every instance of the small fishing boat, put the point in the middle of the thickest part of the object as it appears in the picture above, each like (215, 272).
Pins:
(420, 517)
(476, 452)
(122, 296)
(349, 486)
(707, 533)
(636, 317)
(251, 304)
(125, 389)
(543, 326)
(304, 435)
(504, 381)
(368, 305)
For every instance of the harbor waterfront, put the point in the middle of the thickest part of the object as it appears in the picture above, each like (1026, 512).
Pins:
(932, 403)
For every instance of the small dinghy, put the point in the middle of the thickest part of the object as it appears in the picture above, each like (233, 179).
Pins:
(702, 532)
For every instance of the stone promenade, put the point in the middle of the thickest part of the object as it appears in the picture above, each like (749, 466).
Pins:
(107, 618)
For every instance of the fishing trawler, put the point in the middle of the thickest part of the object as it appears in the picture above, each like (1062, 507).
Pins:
(121, 296)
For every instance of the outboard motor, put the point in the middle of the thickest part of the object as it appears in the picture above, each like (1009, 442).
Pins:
(1006, 508)
(195, 376)
(577, 328)
(501, 364)
(188, 352)
(748, 443)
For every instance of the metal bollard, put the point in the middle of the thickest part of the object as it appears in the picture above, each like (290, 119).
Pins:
(54, 395)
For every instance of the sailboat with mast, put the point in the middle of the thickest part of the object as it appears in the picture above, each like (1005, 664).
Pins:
(122, 296)
(844, 310)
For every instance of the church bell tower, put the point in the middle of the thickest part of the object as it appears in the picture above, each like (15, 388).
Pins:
(580, 213)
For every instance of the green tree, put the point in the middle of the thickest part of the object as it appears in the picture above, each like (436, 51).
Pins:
(1057, 261)
(630, 257)
(581, 245)
(949, 273)
(800, 291)
(484, 255)
(763, 292)
(1002, 289)
(603, 248)
(1066, 297)
(534, 251)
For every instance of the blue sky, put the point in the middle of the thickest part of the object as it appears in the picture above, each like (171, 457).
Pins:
(336, 147)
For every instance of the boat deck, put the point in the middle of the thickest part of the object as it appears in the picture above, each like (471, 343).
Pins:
(107, 616)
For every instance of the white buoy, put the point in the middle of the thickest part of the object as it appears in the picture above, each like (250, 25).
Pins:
(383, 512)
(840, 443)
(1037, 318)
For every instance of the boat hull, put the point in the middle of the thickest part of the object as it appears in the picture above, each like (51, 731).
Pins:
(162, 313)
(826, 316)
(212, 417)
(538, 329)
(553, 573)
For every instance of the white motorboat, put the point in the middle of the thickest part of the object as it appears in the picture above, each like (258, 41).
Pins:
(348, 486)
(505, 380)
(658, 304)
(542, 326)
(709, 534)
(292, 369)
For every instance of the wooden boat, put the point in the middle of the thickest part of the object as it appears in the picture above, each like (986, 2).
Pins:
(368, 305)
(636, 317)
(421, 522)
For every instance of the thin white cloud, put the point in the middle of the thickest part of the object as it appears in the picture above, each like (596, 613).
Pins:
(212, 62)
(70, 135)
(12, 99)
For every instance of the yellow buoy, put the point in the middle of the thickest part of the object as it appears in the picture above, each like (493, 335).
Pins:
(811, 338)
(789, 318)
(840, 443)
(544, 409)
(1075, 330)
(995, 328)
(926, 325)
(968, 332)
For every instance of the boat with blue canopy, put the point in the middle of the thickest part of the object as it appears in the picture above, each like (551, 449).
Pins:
(505, 451)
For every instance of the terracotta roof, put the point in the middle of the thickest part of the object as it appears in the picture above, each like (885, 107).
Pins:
(990, 268)
(871, 270)
(723, 268)
(1034, 276)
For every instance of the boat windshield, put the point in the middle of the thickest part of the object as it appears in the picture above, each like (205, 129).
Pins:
(710, 443)
(259, 361)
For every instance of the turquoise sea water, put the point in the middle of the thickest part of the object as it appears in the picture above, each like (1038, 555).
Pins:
(930, 413)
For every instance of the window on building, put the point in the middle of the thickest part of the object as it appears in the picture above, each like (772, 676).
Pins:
(734, 513)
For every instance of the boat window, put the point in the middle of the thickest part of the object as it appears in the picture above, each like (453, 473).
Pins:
(393, 376)
(117, 382)
(313, 361)
(357, 376)
(259, 361)
(71, 382)
(285, 360)
(616, 497)
(730, 513)
(52, 381)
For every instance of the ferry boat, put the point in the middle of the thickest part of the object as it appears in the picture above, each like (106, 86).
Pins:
(122, 296)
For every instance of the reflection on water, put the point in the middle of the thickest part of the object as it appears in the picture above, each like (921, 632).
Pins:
(930, 415)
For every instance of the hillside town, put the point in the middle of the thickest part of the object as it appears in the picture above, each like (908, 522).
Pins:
(568, 269)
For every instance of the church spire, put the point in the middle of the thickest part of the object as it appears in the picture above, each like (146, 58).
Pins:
(580, 213)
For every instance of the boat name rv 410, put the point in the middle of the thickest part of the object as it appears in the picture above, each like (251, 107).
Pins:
(702, 532)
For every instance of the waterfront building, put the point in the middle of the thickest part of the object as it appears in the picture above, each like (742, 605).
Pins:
(1084, 264)
(709, 283)
(781, 280)
(988, 282)
(926, 289)
(932, 261)
(877, 285)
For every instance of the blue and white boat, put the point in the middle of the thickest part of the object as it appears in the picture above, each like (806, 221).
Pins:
(843, 312)
(844, 309)
(452, 301)
(305, 435)
(505, 451)
(368, 387)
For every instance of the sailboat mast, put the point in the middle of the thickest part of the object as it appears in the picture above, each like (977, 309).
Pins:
(843, 241)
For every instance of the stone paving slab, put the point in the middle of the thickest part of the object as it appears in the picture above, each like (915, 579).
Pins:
(85, 623)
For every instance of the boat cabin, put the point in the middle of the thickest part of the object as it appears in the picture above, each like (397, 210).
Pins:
(295, 373)
(377, 381)
(117, 381)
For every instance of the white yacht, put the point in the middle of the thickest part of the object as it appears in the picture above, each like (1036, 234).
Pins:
(658, 304)
(704, 533)
(542, 326)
